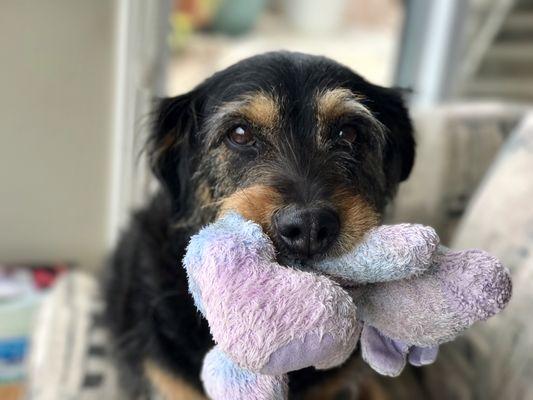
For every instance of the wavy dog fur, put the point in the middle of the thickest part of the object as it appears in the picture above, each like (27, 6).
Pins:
(294, 105)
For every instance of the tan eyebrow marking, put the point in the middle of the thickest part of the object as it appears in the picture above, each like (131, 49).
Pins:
(332, 104)
(259, 108)
(262, 109)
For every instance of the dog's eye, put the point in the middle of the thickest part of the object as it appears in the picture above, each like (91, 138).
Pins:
(347, 133)
(241, 136)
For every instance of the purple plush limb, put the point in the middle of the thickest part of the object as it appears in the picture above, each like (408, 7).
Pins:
(388, 356)
(459, 289)
(311, 350)
(420, 356)
(385, 355)
(225, 380)
(475, 283)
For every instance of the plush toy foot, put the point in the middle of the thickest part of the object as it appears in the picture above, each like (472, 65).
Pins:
(475, 283)
(266, 317)
(459, 289)
(388, 356)
(322, 352)
(225, 380)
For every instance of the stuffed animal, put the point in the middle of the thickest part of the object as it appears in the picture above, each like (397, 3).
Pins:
(402, 294)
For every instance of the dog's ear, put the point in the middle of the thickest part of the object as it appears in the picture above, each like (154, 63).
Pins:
(399, 151)
(174, 123)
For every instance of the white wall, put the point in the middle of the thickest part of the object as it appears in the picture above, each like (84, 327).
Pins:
(56, 82)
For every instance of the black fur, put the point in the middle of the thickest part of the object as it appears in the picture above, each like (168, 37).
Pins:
(149, 310)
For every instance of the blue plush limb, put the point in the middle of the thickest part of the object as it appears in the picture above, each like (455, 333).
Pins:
(387, 253)
(223, 379)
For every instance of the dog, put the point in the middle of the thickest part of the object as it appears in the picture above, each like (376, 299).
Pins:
(297, 143)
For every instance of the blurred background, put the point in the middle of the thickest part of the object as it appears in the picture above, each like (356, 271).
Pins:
(77, 79)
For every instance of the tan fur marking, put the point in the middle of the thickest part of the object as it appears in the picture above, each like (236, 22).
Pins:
(353, 381)
(342, 385)
(257, 203)
(334, 103)
(168, 141)
(331, 390)
(372, 389)
(170, 387)
(261, 109)
(357, 217)
(204, 195)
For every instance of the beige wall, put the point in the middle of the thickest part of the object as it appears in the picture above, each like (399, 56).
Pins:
(56, 68)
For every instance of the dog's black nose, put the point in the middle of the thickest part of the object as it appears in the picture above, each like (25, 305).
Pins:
(305, 232)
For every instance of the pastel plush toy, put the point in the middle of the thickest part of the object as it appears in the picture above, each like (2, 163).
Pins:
(404, 295)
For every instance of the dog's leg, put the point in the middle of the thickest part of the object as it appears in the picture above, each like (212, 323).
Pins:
(168, 386)
(356, 381)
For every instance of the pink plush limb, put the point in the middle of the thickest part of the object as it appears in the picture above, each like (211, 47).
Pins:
(265, 316)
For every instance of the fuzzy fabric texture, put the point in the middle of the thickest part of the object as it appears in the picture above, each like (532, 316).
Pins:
(266, 317)
(458, 289)
(223, 379)
(388, 253)
(388, 356)
(408, 295)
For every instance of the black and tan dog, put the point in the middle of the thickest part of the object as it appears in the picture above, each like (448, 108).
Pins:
(298, 143)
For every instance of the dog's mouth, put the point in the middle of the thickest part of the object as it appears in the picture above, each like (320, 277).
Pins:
(344, 283)
(310, 266)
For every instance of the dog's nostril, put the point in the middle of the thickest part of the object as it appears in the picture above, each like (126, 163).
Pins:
(322, 234)
(292, 232)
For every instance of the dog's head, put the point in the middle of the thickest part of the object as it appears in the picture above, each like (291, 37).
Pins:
(300, 144)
